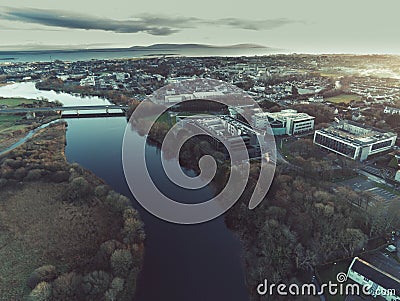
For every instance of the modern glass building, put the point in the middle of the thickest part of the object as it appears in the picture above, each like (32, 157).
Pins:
(354, 140)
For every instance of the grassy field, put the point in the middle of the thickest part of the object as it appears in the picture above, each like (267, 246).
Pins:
(37, 225)
(15, 102)
(7, 123)
(41, 229)
(343, 98)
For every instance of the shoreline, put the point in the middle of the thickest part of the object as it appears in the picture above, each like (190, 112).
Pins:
(90, 226)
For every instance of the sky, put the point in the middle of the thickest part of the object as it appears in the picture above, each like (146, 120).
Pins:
(302, 26)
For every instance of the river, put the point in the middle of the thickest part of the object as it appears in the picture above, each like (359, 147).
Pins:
(182, 262)
(196, 262)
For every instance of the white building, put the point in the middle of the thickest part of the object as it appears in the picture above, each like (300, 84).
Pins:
(376, 281)
(354, 140)
(288, 122)
(88, 81)
(390, 110)
(397, 177)
(122, 76)
(171, 98)
(225, 130)
(175, 80)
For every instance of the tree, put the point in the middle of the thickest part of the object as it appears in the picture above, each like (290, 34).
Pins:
(42, 292)
(353, 240)
(121, 262)
(78, 189)
(305, 259)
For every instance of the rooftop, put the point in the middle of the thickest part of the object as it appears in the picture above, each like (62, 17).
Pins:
(219, 124)
(384, 279)
(357, 133)
(293, 114)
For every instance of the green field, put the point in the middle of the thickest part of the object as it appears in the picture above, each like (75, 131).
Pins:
(15, 102)
(8, 121)
(343, 98)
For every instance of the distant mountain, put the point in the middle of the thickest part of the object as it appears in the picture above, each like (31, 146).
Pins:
(57, 48)
(81, 54)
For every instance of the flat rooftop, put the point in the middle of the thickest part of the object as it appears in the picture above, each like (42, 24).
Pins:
(357, 133)
(218, 125)
(293, 114)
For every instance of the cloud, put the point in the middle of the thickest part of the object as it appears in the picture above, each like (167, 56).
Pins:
(147, 23)
(256, 24)
(32, 46)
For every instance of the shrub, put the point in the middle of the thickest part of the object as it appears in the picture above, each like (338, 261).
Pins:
(78, 169)
(117, 201)
(101, 191)
(102, 258)
(59, 176)
(78, 188)
(131, 213)
(117, 285)
(53, 166)
(7, 172)
(45, 273)
(95, 283)
(42, 292)
(133, 231)
(67, 287)
(110, 295)
(34, 174)
(3, 182)
(121, 262)
(13, 163)
(20, 173)
(129, 290)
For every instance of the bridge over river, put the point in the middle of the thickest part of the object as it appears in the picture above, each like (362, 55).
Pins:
(73, 111)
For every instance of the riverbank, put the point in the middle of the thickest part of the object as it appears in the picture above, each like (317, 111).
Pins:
(15, 127)
(115, 96)
(64, 234)
(12, 133)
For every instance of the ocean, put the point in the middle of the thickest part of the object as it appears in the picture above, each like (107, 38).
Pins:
(104, 54)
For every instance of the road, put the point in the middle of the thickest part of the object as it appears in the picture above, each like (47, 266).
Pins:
(372, 177)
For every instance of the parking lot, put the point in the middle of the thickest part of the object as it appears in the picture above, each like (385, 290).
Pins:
(362, 184)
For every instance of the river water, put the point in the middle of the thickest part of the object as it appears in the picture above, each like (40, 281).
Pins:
(197, 262)
(182, 262)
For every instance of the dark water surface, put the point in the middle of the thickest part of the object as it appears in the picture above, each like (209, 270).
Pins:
(182, 263)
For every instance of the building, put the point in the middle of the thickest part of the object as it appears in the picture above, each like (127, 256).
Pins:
(88, 81)
(288, 122)
(224, 129)
(353, 140)
(172, 98)
(390, 110)
(175, 80)
(378, 282)
(397, 177)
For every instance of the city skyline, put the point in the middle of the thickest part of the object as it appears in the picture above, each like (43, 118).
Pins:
(306, 27)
